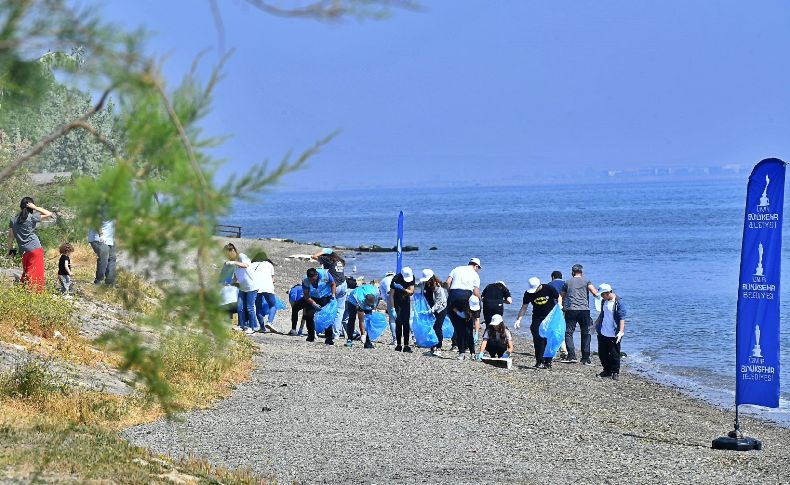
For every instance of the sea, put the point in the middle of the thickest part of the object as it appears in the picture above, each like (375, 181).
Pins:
(670, 249)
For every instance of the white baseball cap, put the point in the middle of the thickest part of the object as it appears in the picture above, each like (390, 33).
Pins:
(605, 288)
(496, 320)
(476, 261)
(426, 275)
(474, 303)
(534, 283)
(408, 274)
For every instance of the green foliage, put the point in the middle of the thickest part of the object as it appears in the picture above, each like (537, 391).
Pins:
(32, 379)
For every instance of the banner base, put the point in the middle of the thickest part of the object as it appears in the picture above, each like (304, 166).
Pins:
(735, 441)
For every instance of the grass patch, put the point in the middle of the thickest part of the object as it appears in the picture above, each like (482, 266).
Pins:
(51, 432)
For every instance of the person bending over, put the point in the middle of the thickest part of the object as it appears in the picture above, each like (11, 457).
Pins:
(319, 289)
(361, 301)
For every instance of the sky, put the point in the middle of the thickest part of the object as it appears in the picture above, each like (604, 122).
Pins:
(488, 92)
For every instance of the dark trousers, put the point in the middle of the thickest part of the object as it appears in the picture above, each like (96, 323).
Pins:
(463, 331)
(490, 310)
(353, 311)
(437, 326)
(105, 263)
(296, 307)
(309, 315)
(540, 343)
(496, 348)
(452, 296)
(582, 317)
(609, 353)
(402, 325)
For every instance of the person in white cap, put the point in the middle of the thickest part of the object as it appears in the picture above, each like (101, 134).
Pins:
(436, 296)
(465, 316)
(401, 290)
(496, 339)
(384, 291)
(543, 299)
(463, 282)
(610, 326)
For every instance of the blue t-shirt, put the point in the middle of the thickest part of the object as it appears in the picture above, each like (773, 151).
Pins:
(322, 289)
(357, 297)
(560, 286)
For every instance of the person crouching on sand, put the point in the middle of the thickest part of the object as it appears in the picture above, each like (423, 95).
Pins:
(360, 302)
(610, 326)
(496, 339)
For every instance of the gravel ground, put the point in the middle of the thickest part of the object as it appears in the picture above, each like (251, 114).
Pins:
(312, 413)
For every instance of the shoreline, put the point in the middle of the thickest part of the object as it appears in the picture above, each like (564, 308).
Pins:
(715, 397)
(313, 413)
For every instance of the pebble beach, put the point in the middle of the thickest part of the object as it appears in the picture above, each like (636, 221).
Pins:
(312, 413)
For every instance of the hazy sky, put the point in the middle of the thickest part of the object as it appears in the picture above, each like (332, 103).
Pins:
(490, 91)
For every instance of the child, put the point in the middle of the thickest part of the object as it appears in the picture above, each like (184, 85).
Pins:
(64, 267)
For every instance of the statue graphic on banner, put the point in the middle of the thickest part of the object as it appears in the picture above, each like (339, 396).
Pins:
(759, 270)
(757, 351)
(764, 202)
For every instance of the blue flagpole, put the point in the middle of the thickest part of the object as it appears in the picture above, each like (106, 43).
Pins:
(399, 245)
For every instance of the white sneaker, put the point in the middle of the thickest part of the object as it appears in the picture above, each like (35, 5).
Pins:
(462, 357)
(249, 331)
(292, 333)
(437, 353)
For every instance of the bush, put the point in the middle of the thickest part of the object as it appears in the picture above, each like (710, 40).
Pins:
(32, 379)
(34, 313)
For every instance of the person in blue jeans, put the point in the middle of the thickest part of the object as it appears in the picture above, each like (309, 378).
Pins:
(332, 262)
(248, 320)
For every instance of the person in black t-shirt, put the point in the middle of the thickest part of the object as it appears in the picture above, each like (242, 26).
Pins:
(494, 298)
(64, 267)
(543, 299)
(401, 290)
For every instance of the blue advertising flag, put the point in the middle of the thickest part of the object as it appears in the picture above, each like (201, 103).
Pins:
(399, 248)
(757, 328)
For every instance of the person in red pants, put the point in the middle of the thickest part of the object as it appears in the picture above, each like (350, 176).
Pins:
(22, 231)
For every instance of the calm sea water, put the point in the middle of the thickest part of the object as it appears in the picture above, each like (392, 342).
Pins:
(670, 248)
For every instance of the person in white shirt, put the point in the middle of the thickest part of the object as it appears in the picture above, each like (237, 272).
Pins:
(102, 242)
(463, 282)
(262, 270)
(248, 321)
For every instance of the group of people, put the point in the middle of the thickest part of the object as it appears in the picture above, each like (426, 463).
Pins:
(459, 298)
(23, 241)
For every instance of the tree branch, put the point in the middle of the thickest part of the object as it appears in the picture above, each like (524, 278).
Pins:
(327, 9)
(61, 131)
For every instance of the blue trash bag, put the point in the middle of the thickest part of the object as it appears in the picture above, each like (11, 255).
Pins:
(279, 304)
(552, 328)
(422, 323)
(325, 317)
(226, 274)
(375, 324)
(447, 328)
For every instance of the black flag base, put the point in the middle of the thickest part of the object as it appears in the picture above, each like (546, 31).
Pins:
(736, 441)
